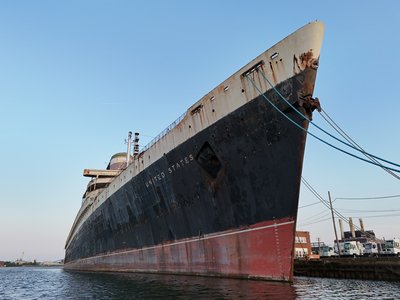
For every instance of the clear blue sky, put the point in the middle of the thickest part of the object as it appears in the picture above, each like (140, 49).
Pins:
(75, 76)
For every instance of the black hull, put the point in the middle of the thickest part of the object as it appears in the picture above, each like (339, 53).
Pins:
(242, 170)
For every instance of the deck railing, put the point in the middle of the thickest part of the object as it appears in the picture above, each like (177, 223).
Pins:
(162, 133)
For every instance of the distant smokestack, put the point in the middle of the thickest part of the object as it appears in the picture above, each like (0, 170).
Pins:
(353, 233)
(136, 144)
(362, 225)
(341, 229)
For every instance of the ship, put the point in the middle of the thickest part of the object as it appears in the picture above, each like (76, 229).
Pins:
(216, 193)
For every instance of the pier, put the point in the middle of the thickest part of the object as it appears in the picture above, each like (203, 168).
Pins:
(371, 268)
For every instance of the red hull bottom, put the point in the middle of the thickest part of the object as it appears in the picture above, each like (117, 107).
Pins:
(263, 251)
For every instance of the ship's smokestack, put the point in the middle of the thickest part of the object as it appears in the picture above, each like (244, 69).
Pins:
(341, 229)
(362, 225)
(136, 144)
(353, 233)
(128, 151)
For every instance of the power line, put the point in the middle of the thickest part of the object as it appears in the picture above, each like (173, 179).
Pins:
(367, 198)
(311, 223)
(316, 217)
(307, 205)
(325, 202)
(381, 216)
(362, 211)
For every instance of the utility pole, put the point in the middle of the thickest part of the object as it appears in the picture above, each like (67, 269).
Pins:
(334, 226)
(319, 246)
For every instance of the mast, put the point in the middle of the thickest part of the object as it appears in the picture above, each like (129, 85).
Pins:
(128, 151)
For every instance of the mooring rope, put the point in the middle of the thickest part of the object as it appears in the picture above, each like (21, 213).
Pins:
(313, 135)
(323, 130)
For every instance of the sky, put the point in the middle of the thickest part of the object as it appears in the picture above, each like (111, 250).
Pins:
(76, 76)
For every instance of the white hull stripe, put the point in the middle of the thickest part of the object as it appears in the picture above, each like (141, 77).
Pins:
(191, 241)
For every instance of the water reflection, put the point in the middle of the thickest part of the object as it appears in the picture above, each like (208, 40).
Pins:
(55, 283)
(151, 286)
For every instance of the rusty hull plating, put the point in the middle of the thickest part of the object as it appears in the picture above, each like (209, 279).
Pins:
(217, 193)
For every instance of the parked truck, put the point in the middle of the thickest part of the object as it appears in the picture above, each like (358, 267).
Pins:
(351, 248)
(392, 247)
(371, 249)
(327, 251)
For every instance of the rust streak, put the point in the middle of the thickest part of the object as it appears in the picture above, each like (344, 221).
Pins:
(295, 64)
(273, 73)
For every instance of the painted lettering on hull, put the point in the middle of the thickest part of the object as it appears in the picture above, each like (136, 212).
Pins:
(176, 166)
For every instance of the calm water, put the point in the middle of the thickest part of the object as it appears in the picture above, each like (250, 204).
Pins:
(54, 283)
